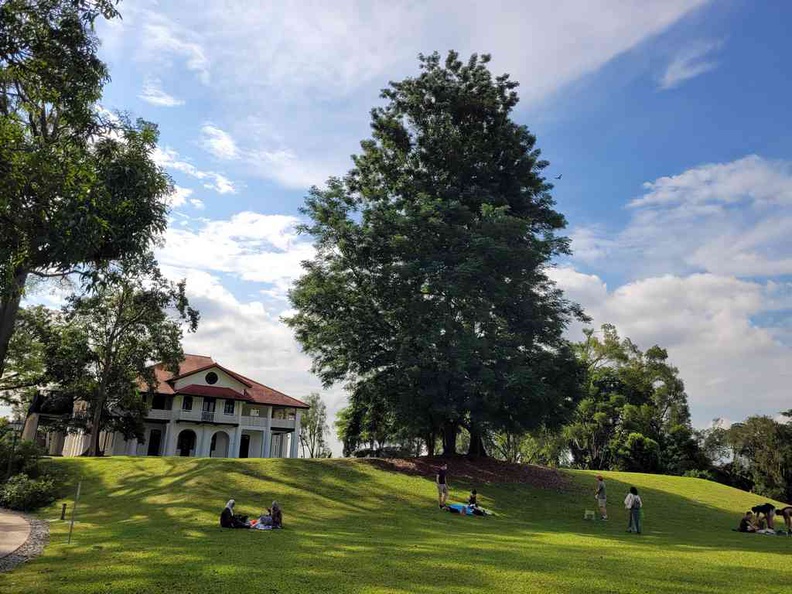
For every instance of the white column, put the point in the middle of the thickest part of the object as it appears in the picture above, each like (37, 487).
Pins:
(236, 442)
(201, 445)
(132, 445)
(166, 439)
(170, 441)
(295, 436)
(266, 436)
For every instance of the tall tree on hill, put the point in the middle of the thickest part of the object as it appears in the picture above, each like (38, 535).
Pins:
(135, 317)
(77, 188)
(429, 287)
(314, 429)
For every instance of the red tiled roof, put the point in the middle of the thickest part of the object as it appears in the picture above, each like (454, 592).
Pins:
(213, 392)
(254, 392)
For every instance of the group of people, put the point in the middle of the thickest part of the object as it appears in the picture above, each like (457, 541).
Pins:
(632, 503)
(472, 507)
(760, 519)
(266, 521)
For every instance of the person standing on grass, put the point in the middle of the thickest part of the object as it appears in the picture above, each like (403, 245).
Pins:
(786, 515)
(768, 511)
(633, 504)
(600, 496)
(442, 485)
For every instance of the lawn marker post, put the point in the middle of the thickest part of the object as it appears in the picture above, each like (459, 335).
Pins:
(74, 510)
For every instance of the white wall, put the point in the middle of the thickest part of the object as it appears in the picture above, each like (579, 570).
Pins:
(223, 380)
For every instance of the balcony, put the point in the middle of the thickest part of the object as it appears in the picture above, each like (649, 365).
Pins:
(161, 415)
(200, 416)
(250, 421)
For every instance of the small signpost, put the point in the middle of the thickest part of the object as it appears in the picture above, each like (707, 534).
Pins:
(74, 510)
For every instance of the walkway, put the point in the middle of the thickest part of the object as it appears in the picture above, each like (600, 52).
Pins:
(14, 532)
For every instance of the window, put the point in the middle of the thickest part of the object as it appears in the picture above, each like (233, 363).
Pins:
(229, 407)
(187, 403)
(159, 402)
(209, 405)
(211, 378)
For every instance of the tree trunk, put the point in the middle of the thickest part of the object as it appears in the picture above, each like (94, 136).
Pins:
(449, 439)
(9, 307)
(476, 448)
(430, 444)
(96, 429)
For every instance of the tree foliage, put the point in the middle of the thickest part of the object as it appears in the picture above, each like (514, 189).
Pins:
(429, 294)
(78, 188)
(314, 430)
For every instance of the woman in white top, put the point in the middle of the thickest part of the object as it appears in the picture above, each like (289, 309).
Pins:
(633, 504)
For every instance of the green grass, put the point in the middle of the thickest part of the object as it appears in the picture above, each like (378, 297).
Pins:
(150, 525)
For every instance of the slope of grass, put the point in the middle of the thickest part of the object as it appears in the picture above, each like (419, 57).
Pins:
(151, 525)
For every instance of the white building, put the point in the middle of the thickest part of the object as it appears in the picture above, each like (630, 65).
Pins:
(205, 410)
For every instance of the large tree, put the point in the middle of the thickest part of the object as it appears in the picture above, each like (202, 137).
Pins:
(429, 292)
(78, 188)
(135, 316)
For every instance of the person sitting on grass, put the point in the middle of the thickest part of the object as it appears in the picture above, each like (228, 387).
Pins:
(786, 515)
(276, 514)
(768, 511)
(472, 500)
(633, 504)
(746, 523)
(229, 520)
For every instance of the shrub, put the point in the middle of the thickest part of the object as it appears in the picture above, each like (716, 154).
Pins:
(702, 474)
(26, 457)
(23, 493)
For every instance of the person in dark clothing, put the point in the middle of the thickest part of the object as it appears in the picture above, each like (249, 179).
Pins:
(768, 511)
(227, 518)
(786, 515)
(472, 500)
(746, 523)
(442, 485)
(276, 514)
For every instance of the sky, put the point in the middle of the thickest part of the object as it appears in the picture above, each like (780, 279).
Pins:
(668, 121)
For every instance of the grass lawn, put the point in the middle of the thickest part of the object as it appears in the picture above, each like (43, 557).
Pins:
(151, 525)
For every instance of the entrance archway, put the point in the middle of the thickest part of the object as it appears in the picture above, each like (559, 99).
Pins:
(185, 444)
(219, 446)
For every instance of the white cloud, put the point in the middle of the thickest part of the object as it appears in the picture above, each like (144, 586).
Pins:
(170, 159)
(152, 93)
(273, 63)
(725, 218)
(179, 196)
(691, 62)
(730, 366)
(252, 246)
(197, 203)
(218, 142)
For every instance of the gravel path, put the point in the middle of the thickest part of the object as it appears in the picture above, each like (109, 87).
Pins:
(34, 545)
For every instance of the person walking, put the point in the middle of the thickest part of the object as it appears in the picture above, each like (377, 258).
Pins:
(442, 485)
(633, 505)
(601, 497)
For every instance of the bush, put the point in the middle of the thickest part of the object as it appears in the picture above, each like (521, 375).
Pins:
(23, 493)
(701, 474)
(26, 457)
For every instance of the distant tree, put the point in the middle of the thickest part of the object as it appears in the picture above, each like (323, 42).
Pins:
(429, 288)
(635, 414)
(314, 429)
(133, 318)
(77, 188)
(763, 447)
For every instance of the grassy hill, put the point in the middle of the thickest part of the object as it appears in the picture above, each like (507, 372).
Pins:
(151, 525)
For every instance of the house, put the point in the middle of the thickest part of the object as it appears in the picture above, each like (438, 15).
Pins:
(204, 410)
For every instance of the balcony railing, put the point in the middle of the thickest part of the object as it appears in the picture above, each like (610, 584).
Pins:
(159, 414)
(202, 416)
(250, 421)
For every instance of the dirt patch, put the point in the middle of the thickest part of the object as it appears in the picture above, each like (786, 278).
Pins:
(478, 471)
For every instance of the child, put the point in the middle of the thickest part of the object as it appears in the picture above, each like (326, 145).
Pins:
(472, 501)
(746, 523)
(633, 504)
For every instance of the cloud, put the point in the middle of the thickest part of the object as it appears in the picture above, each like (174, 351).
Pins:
(218, 143)
(251, 246)
(730, 366)
(197, 203)
(162, 39)
(725, 218)
(153, 93)
(337, 56)
(691, 62)
(170, 159)
(179, 196)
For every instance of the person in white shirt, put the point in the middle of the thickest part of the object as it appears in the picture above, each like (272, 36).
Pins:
(633, 505)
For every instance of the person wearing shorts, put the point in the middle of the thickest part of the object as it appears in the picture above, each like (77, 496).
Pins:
(768, 511)
(786, 515)
(442, 485)
(602, 500)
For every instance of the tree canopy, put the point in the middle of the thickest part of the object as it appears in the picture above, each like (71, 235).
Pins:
(78, 187)
(429, 292)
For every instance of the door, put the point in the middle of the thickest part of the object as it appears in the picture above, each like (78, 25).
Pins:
(155, 440)
(244, 446)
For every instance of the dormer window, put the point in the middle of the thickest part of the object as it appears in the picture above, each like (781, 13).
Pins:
(211, 378)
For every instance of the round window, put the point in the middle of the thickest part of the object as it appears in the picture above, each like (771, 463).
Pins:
(211, 378)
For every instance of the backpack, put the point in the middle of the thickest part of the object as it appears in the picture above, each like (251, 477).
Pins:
(637, 503)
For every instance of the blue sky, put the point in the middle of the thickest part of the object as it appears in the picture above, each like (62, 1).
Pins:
(668, 120)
